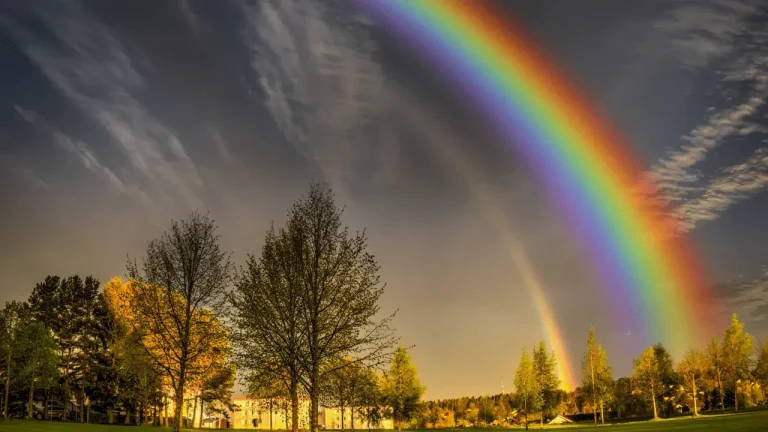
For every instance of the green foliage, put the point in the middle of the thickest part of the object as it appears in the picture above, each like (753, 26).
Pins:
(596, 375)
(402, 389)
(736, 354)
(544, 367)
(693, 368)
(653, 374)
(527, 387)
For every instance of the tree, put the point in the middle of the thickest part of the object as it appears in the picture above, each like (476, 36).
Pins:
(38, 360)
(761, 365)
(736, 352)
(69, 307)
(401, 388)
(341, 386)
(338, 287)
(178, 290)
(216, 394)
(653, 372)
(693, 368)
(715, 360)
(526, 386)
(267, 318)
(370, 398)
(596, 375)
(544, 365)
(13, 318)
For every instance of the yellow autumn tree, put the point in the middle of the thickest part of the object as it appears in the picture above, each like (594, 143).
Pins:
(153, 334)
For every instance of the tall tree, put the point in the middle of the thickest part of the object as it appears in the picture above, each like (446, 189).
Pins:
(736, 354)
(596, 375)
(13, 318)
(693, 368)
(339, 289)
(339, 386)
(544, 365)
(370, 398)
(715, 360)
(526, 386)
(68, 306)
(652, 373)
(268, 331)
(38, 360)
(761, 364)
(178, 291)
(402, 389)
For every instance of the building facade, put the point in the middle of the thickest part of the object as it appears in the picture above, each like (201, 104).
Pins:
(276, 414)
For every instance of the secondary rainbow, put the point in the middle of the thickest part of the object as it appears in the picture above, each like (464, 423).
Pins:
(651, 279)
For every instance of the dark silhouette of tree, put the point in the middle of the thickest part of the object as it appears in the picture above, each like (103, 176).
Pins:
(180, 287)
(12, 319)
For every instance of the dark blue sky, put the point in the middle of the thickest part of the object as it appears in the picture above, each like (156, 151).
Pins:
(117, 116)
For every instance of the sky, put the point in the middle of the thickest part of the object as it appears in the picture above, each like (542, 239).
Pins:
(117, 117)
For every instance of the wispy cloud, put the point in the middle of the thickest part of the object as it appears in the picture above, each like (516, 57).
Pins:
(708, 31)
(702, 31)
(749, 298)
(321, 82)
(74, 146)
(91, 68)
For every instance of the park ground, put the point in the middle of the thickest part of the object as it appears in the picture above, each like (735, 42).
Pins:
(744, 422)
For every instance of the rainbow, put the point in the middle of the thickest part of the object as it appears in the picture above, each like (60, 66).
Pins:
(652, 280)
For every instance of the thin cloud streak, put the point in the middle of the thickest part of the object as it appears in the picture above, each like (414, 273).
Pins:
(91, 68)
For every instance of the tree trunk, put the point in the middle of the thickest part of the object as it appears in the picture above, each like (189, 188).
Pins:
(45, 403)
(653, 399)
(602, 414)
(736, 397)
(270, 413)
(695, 409)
(82, 402)
(720, 390)
(88, 414)
(7, 385)
(202, 410)
(314, 406)
(342, 415)
(127, 416)
(352, 416)
(525, 407)
(31, 396)
(194, 412)
(179, 402)
(594, 393)
(295, 406)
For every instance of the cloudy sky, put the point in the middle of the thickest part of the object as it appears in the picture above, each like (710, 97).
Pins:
(116, 117)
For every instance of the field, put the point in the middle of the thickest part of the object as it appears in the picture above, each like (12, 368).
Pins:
(746, 422)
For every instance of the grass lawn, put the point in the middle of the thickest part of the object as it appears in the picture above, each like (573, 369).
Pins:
(743, 422)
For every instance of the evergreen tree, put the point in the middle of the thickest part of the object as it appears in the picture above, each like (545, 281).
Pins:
(526, 387)
(401, 388)
(544, 366)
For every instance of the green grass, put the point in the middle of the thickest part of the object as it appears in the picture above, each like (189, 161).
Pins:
(742, 422)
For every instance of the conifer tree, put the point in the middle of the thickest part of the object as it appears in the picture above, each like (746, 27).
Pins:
(544, 366)
(527, 387)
